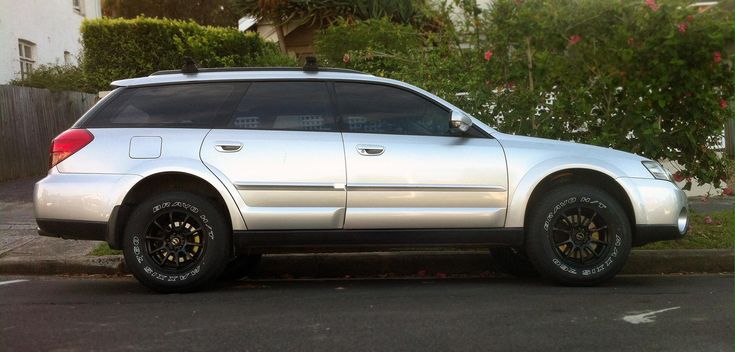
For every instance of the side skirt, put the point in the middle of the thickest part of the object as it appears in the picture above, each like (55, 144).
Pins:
(252, 241)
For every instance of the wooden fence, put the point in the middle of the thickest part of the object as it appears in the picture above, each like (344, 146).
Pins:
(29, 119)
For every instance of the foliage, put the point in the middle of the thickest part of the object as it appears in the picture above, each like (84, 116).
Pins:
(327, 11)
(375, 45)
(56, 78)
(104, 249)
(204, 12)
(653, 79)
(124, 48)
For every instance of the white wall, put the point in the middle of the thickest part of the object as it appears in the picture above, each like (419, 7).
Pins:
(51, 24)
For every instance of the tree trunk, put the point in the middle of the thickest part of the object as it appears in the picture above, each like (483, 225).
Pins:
(529, 55)
(281, 38)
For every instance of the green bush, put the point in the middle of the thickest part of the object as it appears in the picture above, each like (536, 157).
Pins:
(124, 48)
(648, 78)
(653, 79)
(56, 78)
(378, 46)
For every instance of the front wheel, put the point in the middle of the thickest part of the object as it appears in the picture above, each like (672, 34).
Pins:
(176, 242)
(578, 235)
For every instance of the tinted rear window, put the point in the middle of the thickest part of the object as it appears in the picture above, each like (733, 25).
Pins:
(182, 105)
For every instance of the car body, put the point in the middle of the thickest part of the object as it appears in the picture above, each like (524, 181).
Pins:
(305, 160)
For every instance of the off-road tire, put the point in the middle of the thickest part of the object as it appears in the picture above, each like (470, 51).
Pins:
(565, 202)
(204, 266)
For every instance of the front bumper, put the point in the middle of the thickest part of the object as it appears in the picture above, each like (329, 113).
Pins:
(661, 209)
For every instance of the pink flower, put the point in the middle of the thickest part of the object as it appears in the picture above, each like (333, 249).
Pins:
(707, 219)
(717, 57)
(346, 58)
(574, 39)
(727, 191)
(678, 177)
(723, 103)
(652, 4)
(683, 27)
(488, 55)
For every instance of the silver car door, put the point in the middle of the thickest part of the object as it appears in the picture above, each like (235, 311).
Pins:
(405, 169)
(282, 153)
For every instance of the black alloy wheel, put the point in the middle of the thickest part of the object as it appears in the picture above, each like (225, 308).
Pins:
(175, 240)
(581, 236)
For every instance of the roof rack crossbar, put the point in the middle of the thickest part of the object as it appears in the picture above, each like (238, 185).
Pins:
(251, 69)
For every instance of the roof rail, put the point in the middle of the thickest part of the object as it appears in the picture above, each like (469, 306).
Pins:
(251, 69)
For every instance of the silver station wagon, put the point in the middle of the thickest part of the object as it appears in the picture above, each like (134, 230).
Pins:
(195, 173)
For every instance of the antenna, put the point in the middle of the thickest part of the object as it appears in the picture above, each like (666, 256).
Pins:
(190, 66)
(311, 65)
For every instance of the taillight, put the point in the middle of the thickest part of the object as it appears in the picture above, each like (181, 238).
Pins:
(68, 143)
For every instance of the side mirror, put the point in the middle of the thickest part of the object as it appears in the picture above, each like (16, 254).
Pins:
(460, 121)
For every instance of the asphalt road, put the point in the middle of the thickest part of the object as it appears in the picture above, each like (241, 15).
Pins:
(495, 314)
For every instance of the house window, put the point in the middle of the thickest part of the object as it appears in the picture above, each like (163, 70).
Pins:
(27, 55)
(78, 6)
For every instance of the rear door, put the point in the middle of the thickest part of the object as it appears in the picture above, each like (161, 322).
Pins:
(406, 168)
(282, 152)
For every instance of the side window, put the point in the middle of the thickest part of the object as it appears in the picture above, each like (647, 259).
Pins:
(300, 106)
(372, 108)
(182, 105)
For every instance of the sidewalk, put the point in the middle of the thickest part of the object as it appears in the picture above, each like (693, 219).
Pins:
(23, 251)
(18, 235)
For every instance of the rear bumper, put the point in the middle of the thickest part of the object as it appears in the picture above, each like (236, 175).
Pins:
(70, 229)
(80, 197)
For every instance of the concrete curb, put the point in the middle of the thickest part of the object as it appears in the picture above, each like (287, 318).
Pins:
(382, 264)
(88, 265)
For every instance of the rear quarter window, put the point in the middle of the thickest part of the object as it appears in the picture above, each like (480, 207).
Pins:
(181, 105)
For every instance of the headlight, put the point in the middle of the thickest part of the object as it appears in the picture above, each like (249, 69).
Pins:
(658, 171)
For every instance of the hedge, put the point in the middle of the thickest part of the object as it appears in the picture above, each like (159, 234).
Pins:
(124, 48)
(651, 78)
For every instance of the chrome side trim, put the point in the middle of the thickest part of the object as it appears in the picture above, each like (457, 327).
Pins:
(422, 187)
(287, 186)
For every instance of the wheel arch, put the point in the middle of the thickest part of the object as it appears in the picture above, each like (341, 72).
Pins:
(168, 181)
(518, 215)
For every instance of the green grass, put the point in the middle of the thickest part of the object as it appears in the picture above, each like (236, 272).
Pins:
(701, 235)
(104, 249)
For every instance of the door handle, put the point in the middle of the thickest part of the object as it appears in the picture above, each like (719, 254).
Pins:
(370, 149)
(228, 147)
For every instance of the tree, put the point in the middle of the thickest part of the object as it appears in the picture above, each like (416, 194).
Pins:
(282, 12)
(204, 12)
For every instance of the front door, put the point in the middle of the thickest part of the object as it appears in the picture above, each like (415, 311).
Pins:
(282, 152)
(406, 169)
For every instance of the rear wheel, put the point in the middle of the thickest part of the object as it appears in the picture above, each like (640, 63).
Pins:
(176, 242)
(578, 235)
